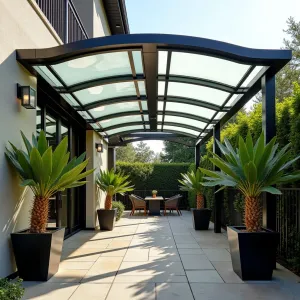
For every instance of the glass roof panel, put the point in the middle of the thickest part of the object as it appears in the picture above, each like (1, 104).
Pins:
(47, 75)
(94, 67)
(181, 129)
(120, 120)
(219, 115)
(197, 92)
(126, 128)
(161, 88)
(146, 118)
(160, 105)
(254, 72)
(190, 109)
(162, 62)
(138, 64)
(232, 100)
(69, 98)
(107, 91)
(181, 120)
(207, 67)
(142, 87)
(144, 105)
(159, 118)
(106, 110)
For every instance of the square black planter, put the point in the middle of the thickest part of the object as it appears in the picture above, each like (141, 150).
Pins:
(107, 218)
(38, 254)
(252, 253)
(201, 218)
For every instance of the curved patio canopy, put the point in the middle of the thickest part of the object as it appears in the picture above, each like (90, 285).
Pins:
(139, 86)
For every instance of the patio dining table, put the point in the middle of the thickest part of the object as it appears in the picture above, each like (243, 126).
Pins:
(154, 205)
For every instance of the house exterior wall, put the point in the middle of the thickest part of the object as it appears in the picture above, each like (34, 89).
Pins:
(94, 198)
(20, 27)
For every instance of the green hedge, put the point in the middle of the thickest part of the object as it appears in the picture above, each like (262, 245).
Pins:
(147, 176)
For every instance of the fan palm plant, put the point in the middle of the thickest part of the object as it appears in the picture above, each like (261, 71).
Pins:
(112, 183)
(192, 181)
(46, 172)
(252, 169)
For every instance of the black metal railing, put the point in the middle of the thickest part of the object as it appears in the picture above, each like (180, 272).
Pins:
(287, 221)
(64, 18)
(183, 203)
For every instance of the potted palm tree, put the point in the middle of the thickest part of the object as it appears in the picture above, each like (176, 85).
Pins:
(111, 183)
(252, 169)
(38, 249)
(191, 181)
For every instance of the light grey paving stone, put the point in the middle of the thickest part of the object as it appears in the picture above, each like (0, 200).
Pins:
(217, 254)
(196, 262)
(91, 292)
(48, 291)
(204, 276)
(170, 291)
(240, 291)
(130, 291)
(137, 254)
(158, 278)
(194, 251)
(68, 276)
(224, 268)
(188, 246)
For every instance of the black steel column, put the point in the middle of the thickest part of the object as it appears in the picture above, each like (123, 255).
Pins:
(197, 156)
(111, 158)
(269, 128)
(218, 197)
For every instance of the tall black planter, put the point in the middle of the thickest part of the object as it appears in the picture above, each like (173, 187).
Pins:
(38, 254)
(107, 218)
(252, 253)
(201, 218)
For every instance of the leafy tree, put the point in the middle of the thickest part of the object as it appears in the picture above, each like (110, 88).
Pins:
(291, 72)
(126, 153)
(143, 153)
(174, 152)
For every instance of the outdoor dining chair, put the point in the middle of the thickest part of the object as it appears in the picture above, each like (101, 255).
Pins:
(137, 203)
(173, 204)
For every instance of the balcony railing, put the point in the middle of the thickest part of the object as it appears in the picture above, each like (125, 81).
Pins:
(64, 19)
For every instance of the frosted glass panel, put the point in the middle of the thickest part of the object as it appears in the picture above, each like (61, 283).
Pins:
(162, 62)
(255, 71)
(144, 105)
(120, 120)
(107, 91)
(219, 115)
(161, 88)
(181, 129)
(160, 105)
(114, 108)
(138, 64)
(70, 99)
(181, 120)
(93, 67)
(190, 109)
(159, 118)
(197, 92)
(142, 87)
(206, 67)
(146, 118)
(47, 75)
(126, 128)
(232, 100)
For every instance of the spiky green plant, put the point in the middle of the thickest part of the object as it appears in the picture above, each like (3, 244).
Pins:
(112, 183)
(252, 169)
(46, 172)
(191, 181)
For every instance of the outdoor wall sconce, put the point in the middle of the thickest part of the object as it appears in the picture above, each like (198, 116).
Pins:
(27, 95)
(99, 147)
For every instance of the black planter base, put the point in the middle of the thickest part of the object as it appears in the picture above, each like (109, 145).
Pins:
(107, 218)
(201, 218)
(38, 254)
(252, 253)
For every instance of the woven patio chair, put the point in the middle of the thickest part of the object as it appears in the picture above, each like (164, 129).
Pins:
(137, 203)
(173, 204)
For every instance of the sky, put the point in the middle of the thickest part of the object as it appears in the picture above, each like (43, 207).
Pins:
(249, 23)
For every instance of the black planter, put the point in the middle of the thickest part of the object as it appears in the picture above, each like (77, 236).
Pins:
(252, 253)
(107, 218)
(38, 254)
(201, 218)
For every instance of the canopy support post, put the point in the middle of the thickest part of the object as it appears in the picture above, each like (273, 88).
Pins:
(269, 128)
(197, 156)
(218, 197)
(111, 163)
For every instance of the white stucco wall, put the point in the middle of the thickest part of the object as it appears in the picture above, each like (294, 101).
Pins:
(94, 198)
(101, 27)
(20, 27)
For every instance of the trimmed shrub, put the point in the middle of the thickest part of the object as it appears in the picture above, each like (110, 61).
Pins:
(11, 290)
(120, 208)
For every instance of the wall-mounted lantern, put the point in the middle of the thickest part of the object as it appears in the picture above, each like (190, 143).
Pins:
(27, 95)
(99, 147)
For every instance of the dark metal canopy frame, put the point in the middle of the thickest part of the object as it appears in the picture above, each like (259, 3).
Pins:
(156, 86)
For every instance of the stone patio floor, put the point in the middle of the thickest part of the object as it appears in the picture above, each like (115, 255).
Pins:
(157, 258)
